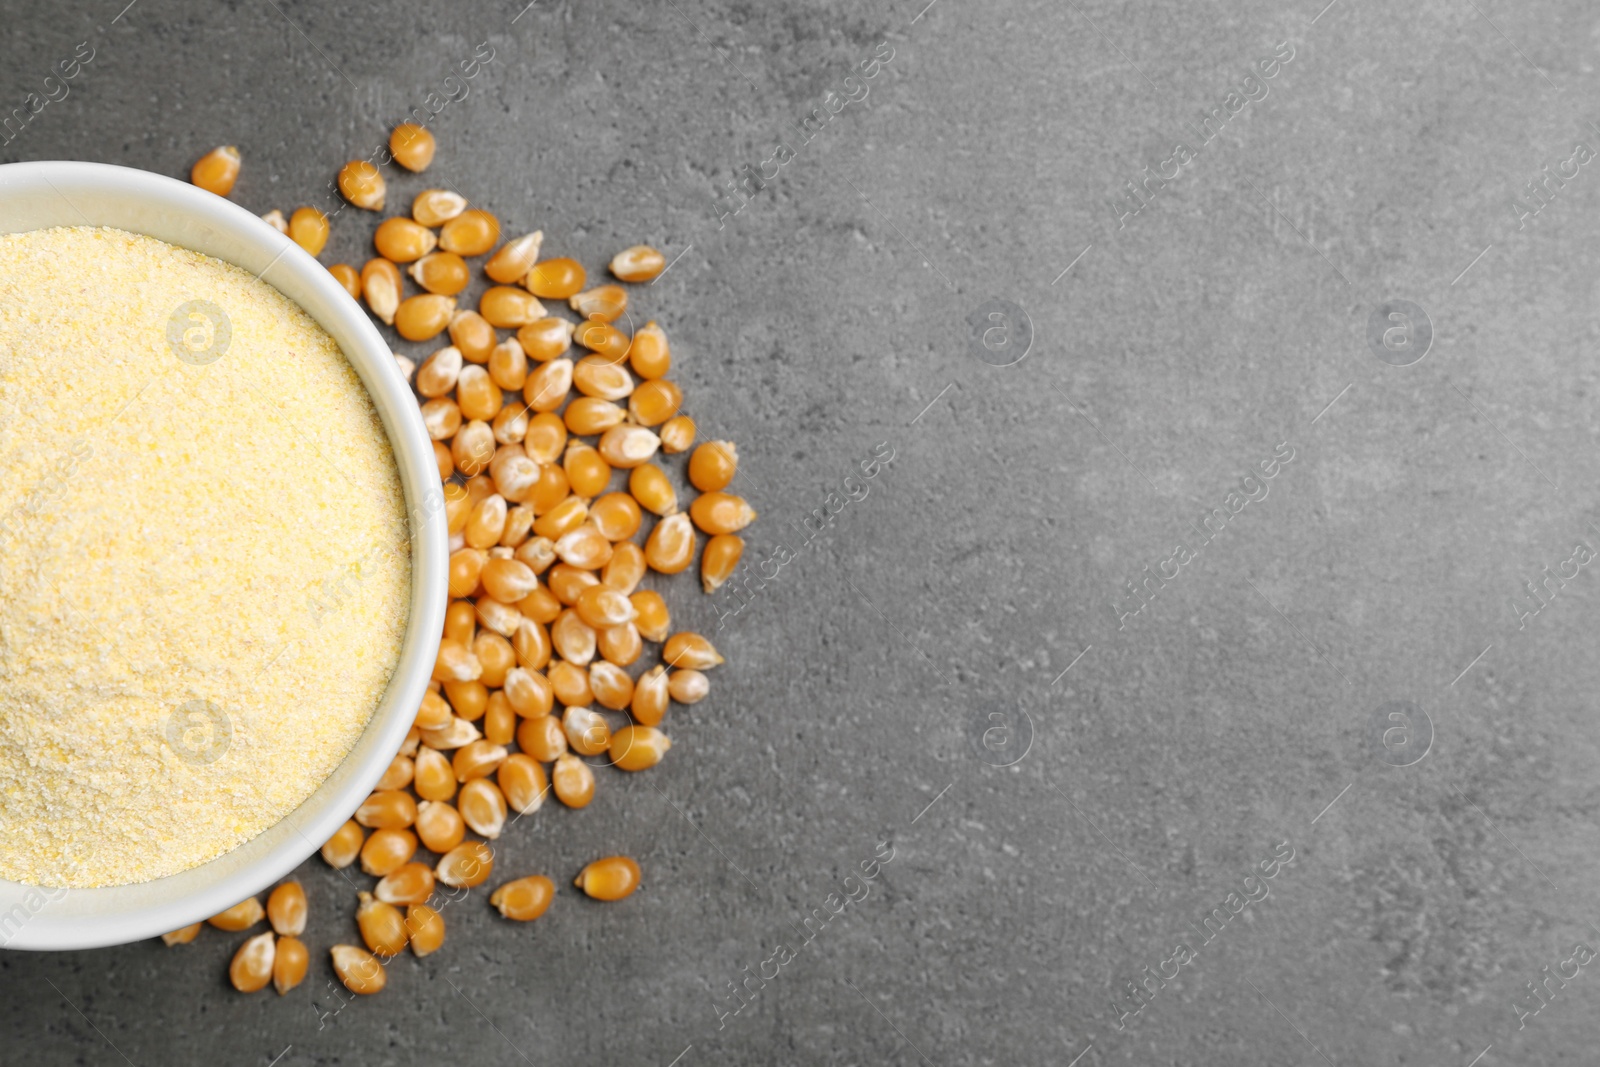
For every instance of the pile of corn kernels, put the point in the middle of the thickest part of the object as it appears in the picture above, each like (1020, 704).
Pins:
(546, 619)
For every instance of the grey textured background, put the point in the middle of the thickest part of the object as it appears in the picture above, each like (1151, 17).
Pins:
(1180, 349)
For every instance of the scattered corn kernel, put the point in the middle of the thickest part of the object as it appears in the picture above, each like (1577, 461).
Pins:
(720, 559)
(424, 316)
(380, 284)
(387, 850)
(611, 878)
(721, 513)
(362, 184)
(471, 233)
(712, 466)
(648, 353)
(466, 866)
(604, 302)
(308, 228)
(435, 207)
(349, 277)
(444, 273)
(555, 279)
(217, 170)
(286, 908)
(290, 962)
(344, 846)
(524, 899)
(688, 686)
(426, 927)
(251, 968)
(358, 969)
(641, 263)
(412, 146)
(182, 936)
(572, 780)
(242, 916)
(515, 258)
(638, 748)
(410, 883)
(690, 651)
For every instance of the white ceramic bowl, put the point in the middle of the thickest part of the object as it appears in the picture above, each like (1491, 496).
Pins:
(38, 195)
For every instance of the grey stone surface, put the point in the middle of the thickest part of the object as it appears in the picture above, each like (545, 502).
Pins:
(1180, 349)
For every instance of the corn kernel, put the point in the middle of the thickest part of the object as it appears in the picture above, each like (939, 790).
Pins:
(217, 170)
(362, 184)
(641, 263)
(611, 878)
(471, 233)
(412, 146)
(435, 207)
(524, 899)
(358, 969)
(555, 279)
(719, 561)
(308, 228)
(444, 273)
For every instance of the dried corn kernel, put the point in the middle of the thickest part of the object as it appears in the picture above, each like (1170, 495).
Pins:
(573, 638)
(532, 643)
(589, 415)
(442, 419)
(308, 228)
(473, 448)
(251, 968)
(649, 354)
(412, 146)
(546, 338)
(508, 366)
(514, 259)
(426, 928)
(604, 302)
(349, 277)
(286, 908)
(548, 385)
(612, 686)
(584, 547)
(362, 184)
(719, 561)
(358, 969)
(182, 936)
(615, 515)
(459, 732)
(471, 233)
(562, 519)
(587, 731)
(344, 846)
(523, 783)
(217, 170)
(275, 219)
(713, 465)
(555, 279)
(380, 285)
(641, 263)
(435, 207)
(424, 316)
(439, 825)
(721, 513)
(546, 437)
(602, 338)
(653, 490)
(438, 373)
(467, 865)
(290, 962)
(401, 240)
(602, 606)
(389, 809)
(597, 376)
(477, 760)
(509, 308)
(241, 916)
(444, 273)
(650, 696)
(638, 748)
(472, 335)
(411, 883)
(654, 620)
(687, 650)
(524, 899)
(611, 878)
(655, 402)
(482, 807)
(387, 850)
(383, 928)
(570, 684)
(670, 548)
(571, 780)
(688, 686)
(477, 395)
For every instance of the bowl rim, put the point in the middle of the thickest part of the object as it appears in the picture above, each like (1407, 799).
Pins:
(188, 216)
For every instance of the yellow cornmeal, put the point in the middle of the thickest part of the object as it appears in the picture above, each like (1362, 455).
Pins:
(203, 584)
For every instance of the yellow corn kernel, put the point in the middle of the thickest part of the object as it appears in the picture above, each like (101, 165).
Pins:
(349, 277)
(596, 376)
(687, 650)
(546, 338)
(308, 228)
(344, 846)
(510, 427)
(573, 638)
(182, 936)
(386, 850)
(290, 962)
(513, 473)
(611, 878)
(389, 809)
(653, 490)
(380, 285)
(426, 927)
(584, 547)
(438, 374)
(424, 316)
(611, 685)
(589, 415)
(548, 385)
(499, 720)
(638, 748)
(442, 419)
(587, 730)
(515, 258)
(217, 170)
(443, 460)
(508, 580)
(508, 366)
(509, 308)
(555, 279)
(587, 473)
(524, 899)
(546, 437)
(358, 969)
(431, 715)
(616, 516)
(467, 698)
(602, 338)
(601, 606)
(476, 394)
(242, 916)
(412, 146)
(485, 524)
(650, 696)
(641, 263)
(362, 184)
(401, 240)
(411, 883)
(274, 218)
(466, 565)
(444, 273)
(528, 692)
(471, 233)
(670, 547)
(570, 684)
(468, 865)
(542, 738)
(522, 783)
(286, 908)
(649, 354)
(439, 825)
(495, 656)
(532, 643)
(571, 780)
(398, 776)
(654, 621)
(383, 928)
(655, 402)
(473, 448)
(721, 513)
(619, 644)
(459, 732)
(502, 619)
(604, 302)
(712, 466)
(251, 968)
(435, 779)
(561, 519)
(435, 207)
(472, 335)
(482, 807)
(460, 620)
(688, 686)
(720, 559)
(477, 760)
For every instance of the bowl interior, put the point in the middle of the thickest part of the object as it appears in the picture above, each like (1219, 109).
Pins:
(39, 195)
